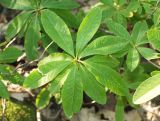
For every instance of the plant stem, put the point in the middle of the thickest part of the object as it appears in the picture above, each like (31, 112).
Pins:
(3, 109)
(155, 65)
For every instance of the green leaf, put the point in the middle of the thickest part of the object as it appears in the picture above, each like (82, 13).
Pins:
(119, 18)
(155, 72)
(3, 91)
(107, 2)
(54, 66)
(154, 38)
(57, 30)
(43, 99)
(48, 44)
(118, 29)
(55, 86)
(148, 53)
(51, 67)
(147, 7)
(55, 57)
(136, 77)
(104, 46)
(69, 18)
(105, 60)
(133, 6)
(17, 24)
(10, 55)
(122, 2)
(156, 17)
(62, 4)
(55, 61)
(119, 114)
(92, 87)
(139, 32)
(147, 90)
(123, 52)
(108, 11)
(19, 4)
(58, 82)
(72, 93)
(88, 28)
(31, 39)
(133, 59)
(5, 69)
(32, 80)
(108, 77)
(37, 79)
(48, 77)
(6, 72)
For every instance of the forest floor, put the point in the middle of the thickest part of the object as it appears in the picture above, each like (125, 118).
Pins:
(90, 111)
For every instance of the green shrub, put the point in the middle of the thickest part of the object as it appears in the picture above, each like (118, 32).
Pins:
(111, 49)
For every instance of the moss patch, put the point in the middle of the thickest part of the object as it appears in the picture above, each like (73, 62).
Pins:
(16, 111)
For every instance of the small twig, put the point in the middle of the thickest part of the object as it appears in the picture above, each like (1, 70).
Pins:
(3, 109)
(45, 50)
(106, 31)
(78, 116)
(10, 42)
(26, 64)
(38, 114)
(155, 65)
(7, 42)
(58, 113)
(42, 53)
(4, 43)
(157, 3)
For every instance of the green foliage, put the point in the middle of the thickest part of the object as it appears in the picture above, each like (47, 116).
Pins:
(72, 92)
(19, 4)
(4, 92)
(136, 39)
(107, 76)
(17, 24)
(31, 38)
(154, 37)
(147, 90)
(63, 4)
(43, 98)
(148, 53)
(10, 55)
(29, 21)
(9, 73)
(55, 64)
(120, 109)
(120, 10)
(132, 59)
(88, 28)
(32, 80)
(78, 77)
(85, 53)
(57, 30)
(104, 46)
